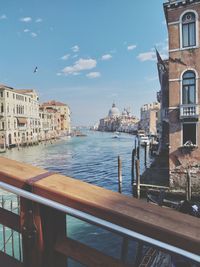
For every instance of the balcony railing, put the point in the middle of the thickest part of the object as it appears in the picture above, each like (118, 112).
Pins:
(189, 111)
(42, 231)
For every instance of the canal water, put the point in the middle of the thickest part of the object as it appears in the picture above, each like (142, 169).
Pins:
(93, 159)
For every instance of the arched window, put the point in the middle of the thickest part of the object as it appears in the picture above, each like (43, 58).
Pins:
(189, 88)
(189, 30)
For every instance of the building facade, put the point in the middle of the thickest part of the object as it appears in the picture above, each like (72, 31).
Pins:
(149, 118)
(19, 116)
(65, 114)
(24, 122)
(183, 22)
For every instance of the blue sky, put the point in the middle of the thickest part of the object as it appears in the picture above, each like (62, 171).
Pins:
(89, 53)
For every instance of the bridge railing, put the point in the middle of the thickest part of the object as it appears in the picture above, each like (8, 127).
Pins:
(45, 236)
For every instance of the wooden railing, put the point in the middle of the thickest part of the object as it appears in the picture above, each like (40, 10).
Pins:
(45, 241)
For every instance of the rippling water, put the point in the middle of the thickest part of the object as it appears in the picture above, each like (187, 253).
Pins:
(92, 159)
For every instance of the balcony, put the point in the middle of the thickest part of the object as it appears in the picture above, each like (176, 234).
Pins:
(190, 111)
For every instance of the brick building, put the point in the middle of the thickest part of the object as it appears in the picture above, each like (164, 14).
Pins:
(183, 91)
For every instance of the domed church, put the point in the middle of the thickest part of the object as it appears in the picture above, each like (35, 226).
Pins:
(114, 112)
(115, 121)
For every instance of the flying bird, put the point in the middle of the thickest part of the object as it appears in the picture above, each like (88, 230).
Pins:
(35, 70)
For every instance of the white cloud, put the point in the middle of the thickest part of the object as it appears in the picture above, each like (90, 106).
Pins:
(147, 56)
(58, 74)
(26, 30)
(33, 34)
(65, 57)
(38, 20)
(3, 17)
(26, 19)
(93, 75)
(150, 56)
(106, 57)
(75, 48)
(131, 47)
(80, 65)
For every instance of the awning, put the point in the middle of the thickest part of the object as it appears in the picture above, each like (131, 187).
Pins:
(22, 120)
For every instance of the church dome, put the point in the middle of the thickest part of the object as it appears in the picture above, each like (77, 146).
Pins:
(124, 113)
(113, 112)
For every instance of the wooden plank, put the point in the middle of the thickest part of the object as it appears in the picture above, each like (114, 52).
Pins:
(10, 219)
(165, 225)
(8, 261)
(86, 255)
(54, 227)
(153, 186)
(32, 236)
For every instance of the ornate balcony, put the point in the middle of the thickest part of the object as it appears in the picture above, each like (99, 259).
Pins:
(190, 111)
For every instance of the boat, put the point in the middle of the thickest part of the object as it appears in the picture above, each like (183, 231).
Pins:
(116, 135)
(184, 206)
(144, 140)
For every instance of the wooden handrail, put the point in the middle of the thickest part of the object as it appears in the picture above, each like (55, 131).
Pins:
(165, 225)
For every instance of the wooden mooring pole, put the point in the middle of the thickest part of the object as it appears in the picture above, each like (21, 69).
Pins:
(133, 166)
(145, 154)
(188, 186)
(138, 151)
(119, 174)
(137, 170)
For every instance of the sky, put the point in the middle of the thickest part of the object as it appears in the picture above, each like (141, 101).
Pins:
(89, 53)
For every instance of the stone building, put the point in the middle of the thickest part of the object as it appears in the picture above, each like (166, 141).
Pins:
(19, 116)
(50, 125)
(183, 24)
(65, 114)
(24, 122)
(116, 121)
(149, 118)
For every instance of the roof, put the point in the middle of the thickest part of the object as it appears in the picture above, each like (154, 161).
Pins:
(53, 103)
(24, 91)
(3, 86)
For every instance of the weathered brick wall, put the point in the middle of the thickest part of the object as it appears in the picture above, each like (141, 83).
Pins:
(181, 159)
(178, 178)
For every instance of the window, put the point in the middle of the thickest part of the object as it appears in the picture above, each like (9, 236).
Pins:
(189, 134)
(1, 94)
(189, 30)
(2, 110)
(7, 94)
(189, 88)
